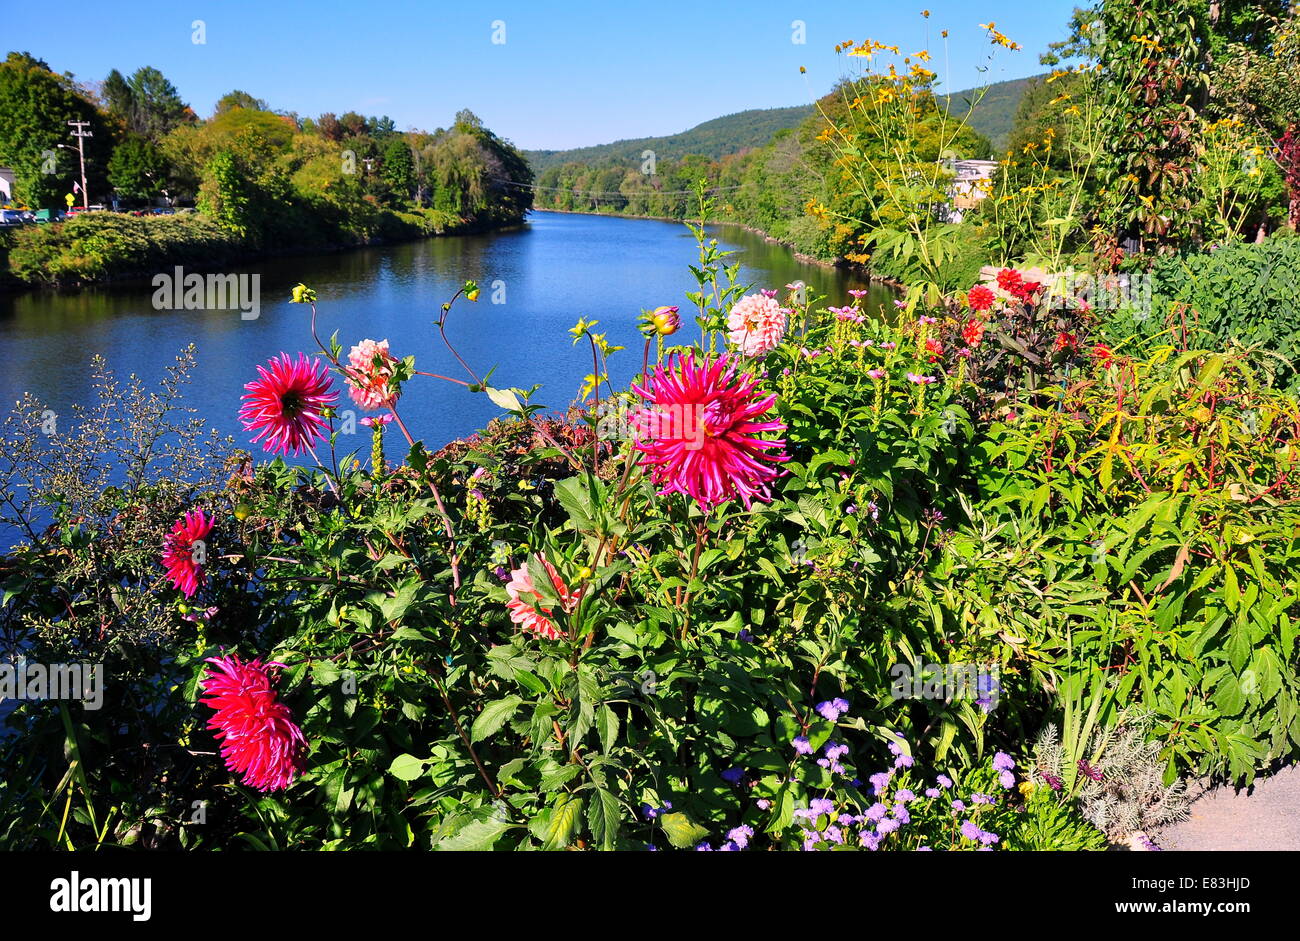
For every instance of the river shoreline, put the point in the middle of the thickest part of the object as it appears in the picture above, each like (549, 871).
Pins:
(11, 285)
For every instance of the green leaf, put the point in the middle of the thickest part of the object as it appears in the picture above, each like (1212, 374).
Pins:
(504, 398)
(406, 767)
(607, 727)
(682, 832)
(561, 822)
(474, 837)
(604, 817)
(494, 715)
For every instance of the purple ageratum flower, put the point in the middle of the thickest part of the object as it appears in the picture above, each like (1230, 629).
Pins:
(834, 834)
(925, 849)
(931, 792)
(733, 775)
(903, 761)
(703, 848)
(869, 840)
(879, 781)
(988, 838)
(902, 814)
(982, 799)
(741, 835)
(970, 831)
(762, 803)
(816, 808)
(832, 709)
(728, 848)
(876, 811)
(895, 748)
(888, 825)
(802, 746)
(959, 805)
(1002, 762)
(945, 782)
(649, 812)
(1007, 779)
(835, 751)
(904, 795)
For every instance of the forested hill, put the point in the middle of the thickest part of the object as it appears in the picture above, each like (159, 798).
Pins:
(713, 139)
(996, 111)
(732, 133)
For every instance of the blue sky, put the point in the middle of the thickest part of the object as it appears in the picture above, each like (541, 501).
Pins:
(567, 75)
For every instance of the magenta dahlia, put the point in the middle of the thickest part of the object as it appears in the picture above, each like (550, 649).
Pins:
(284, 405)
(258, 736)
(179, 557)
(701, 432)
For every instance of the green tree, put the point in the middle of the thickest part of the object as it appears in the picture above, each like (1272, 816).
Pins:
(137, 168)
(398, 170)
(35, 108)
(239, 99)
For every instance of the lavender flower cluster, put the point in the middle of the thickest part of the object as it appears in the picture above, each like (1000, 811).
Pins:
(853, 814)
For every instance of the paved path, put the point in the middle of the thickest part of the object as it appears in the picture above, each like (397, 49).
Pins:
(1265, 818)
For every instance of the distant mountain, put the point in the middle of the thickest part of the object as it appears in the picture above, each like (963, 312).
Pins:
(993, 117)
(996, 111)
(712, 139)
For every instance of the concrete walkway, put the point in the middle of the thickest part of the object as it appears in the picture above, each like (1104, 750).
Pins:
(1267, 817)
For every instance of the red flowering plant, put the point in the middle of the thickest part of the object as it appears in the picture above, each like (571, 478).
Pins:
(1016, 336)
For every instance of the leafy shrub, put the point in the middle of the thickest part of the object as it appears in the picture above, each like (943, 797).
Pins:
(1241, 292)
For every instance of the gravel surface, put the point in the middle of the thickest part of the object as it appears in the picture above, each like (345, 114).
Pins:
(1265, 817)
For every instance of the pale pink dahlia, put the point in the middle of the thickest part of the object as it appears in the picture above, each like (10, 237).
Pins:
(178, 556)
(258, 736)
(701, 432)
(284, 405)
(370, 366)
(756, 324)
(525, 604)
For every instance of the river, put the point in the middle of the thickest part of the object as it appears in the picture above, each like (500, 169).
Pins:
(545, 275)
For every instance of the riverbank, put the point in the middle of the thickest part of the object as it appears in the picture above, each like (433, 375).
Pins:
(104, 248)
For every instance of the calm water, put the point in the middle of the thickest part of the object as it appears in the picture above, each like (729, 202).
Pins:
(554, 270)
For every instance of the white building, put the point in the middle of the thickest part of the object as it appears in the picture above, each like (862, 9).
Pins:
(967, 188)
(6, 184)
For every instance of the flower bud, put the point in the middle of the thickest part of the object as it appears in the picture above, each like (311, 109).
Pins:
(666, 320)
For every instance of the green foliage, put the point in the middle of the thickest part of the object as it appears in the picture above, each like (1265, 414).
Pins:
(1240, 293)
(37, 104)
(100, 246)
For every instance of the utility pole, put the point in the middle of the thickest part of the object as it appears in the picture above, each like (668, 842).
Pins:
(81, 134)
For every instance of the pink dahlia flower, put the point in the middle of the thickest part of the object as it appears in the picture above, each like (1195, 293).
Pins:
(702, 434)
(370, 366)
(258, 736)
(284, 405)
(756, 324)
(525, 604)
(178, 551)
